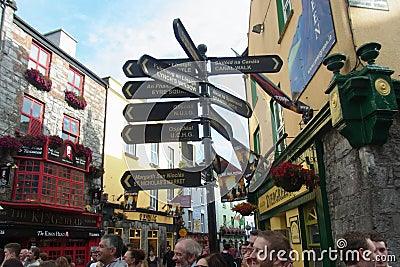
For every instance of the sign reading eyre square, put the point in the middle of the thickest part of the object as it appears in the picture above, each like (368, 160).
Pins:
(159, 179)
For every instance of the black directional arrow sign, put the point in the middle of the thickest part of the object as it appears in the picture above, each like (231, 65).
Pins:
(254, 64)
(164, 132)
(152, 90)
(220, 124)
(175, 110)
(230, 102)
(185, 41)
(159, 179)
(161, 71)
(132, 69)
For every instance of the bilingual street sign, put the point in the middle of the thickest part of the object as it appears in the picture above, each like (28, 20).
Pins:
(253, 64)
(163, 132)
(152, 90)
(185, 41)
(163, 72)
(131, 68)
(159, 179)
(220, 124)
(160, 111)
(230, 102)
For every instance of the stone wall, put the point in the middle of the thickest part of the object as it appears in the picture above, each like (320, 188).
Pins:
(363, 186)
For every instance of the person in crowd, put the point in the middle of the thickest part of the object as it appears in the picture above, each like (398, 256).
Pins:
(48, 263)
(11, 251)
(23, 256)
(110, 251)
(1, 256)
(381, 249)
(266, 248)
(227, 256)
(70, 262)
(186, 251)
(361, 242)
(152, 260)
(62, 262)
(33, 257)
(211, 260)
(134, 257)
(42, 257)
(167, 259)
(250, 243)
(93, 258)
(13, 262)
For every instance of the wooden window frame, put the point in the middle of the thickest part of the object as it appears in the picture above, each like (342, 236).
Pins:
(76, 89)
(69, 133)
(35, 62)
(35, 124)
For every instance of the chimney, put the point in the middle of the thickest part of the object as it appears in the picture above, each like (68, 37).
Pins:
(63, 40)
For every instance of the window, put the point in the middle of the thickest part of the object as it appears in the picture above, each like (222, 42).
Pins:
(278, 126)
(202, 196)
(254, 96)
(70, 129)
(224, 219)
(190, 221)
(31, 116)
(256, 140)
(170, 158)
(75, 82)
(284, 13)
(202, 225)
(154, 154)
(153, 199)
(59, 185)
(135, 237)
(39, 59)
(130, 149)
(170, 194)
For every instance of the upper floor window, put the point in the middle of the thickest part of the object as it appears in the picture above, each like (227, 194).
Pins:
(254, 96)
(154, 154)
(256, 140)
(278, 129)
(39, 59)
(153, 199)
(75, 82)
(284, 13)
(170, 158)
(70, 129)
(130, 149)
(31, 116)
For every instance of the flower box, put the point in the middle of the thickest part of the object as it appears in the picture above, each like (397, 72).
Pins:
(38, 80)
(291, 177)
(30, 140)
(82, 151)
(74, 100)
(10, 143)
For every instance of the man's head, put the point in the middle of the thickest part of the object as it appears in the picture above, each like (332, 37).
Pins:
(186, 251)
(250, 243)
(23, 254)
(359, 249)
(380, 249)
(271, 248)
(33, 253)
(110, 248)
(11, 251)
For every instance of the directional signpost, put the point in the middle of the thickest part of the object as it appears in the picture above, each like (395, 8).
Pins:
(185, 78)
(174, 110)
(160, 178)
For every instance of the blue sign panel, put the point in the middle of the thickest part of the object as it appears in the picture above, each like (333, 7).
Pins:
(314, 37)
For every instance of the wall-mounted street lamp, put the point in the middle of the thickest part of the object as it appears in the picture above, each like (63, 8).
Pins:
(258, 28)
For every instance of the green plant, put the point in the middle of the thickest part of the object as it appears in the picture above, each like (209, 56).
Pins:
(119, 216)
(245, 208)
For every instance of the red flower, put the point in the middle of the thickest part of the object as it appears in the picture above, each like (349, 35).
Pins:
(38, 80)
(244, 208)
(74, 100)
(81, 150)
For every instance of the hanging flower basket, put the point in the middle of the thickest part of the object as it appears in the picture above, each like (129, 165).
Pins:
(291, 177)
(30, 140)
(95, 172)
(10, 143)
(119, 216)
(74, 100)
(82, 151)
(55, 141)
(245, 208)
(38, 80)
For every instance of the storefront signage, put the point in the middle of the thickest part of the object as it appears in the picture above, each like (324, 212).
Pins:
(40, 232)
(42, 217)
(276, 196)
(148, 217)
(372, 4)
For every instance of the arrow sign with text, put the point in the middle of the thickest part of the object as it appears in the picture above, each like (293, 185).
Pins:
(164, 132)
(161, 71)
(159, 179)
(230, 102)
(132, 69)
(254, 64)
(175, 110)
(152, 90)
(220, 124)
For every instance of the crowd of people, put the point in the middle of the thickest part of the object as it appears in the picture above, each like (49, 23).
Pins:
(262, 249)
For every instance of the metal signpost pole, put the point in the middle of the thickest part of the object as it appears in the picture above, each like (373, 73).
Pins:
(207, 144)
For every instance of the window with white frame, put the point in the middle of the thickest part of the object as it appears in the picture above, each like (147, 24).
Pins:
(190, 220)
(170, 158)
(154, 153)
(153, 199)
(278, 124)
(130, 149)
(202, 225)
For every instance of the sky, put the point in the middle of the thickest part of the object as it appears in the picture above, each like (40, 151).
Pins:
(111, 32)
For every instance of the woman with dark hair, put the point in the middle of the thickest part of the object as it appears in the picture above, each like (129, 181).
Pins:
(212, 260)
(134, 257)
